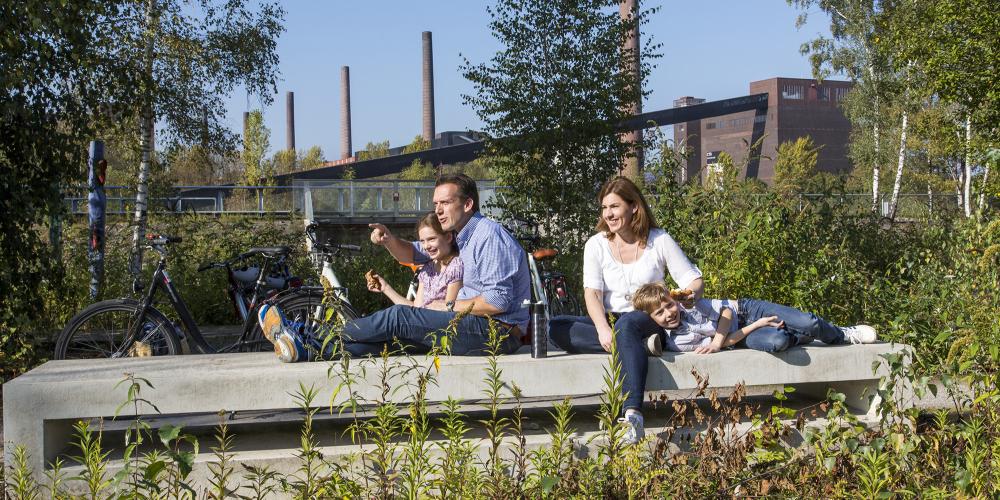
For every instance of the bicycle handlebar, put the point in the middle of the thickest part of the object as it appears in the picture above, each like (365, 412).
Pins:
(160, 239)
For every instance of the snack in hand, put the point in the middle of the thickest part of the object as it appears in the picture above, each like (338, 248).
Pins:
(373, 282)
(678, 294)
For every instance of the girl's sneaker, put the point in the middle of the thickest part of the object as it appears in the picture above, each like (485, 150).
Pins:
(859, 334)
(290, 348)
(271, 320)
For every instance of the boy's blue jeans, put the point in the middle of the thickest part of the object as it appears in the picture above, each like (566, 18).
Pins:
(577, 334)
(417, 329)
(800, 327)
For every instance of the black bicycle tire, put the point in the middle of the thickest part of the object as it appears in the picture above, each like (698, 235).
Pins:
(290, 302)
(565, 306)
(165, 327)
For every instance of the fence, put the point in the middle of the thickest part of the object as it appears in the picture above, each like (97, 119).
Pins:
(312, 199)
(405, 200)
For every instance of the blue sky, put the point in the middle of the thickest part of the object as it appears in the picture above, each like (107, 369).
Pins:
(711, 49)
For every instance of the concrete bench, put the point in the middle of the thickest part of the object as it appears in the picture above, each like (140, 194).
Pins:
(40, 406)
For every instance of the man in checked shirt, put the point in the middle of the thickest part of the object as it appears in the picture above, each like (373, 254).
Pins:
(495, 284)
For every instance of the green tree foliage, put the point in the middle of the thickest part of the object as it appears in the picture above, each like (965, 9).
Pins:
(284, 161)
(723, 173)
(256, 142)
(50, 79)
(75, 70)
(418, 171)
(795, 162)
(951, 47)
(191, 166)
(855, 28)
(374, 150)
(311, 158)
(418, 144)
(551, 98)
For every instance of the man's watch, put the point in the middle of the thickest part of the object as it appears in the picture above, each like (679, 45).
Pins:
(450, 305)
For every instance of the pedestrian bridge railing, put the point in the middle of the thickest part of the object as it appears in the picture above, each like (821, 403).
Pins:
(397, 199)
(313, 199)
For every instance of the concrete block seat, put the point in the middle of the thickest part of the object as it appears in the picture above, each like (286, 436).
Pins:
(40, 406)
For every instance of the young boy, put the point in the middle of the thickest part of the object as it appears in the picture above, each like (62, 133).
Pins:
(713, 324)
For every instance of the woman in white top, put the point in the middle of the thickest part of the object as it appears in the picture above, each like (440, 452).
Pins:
(628, 252)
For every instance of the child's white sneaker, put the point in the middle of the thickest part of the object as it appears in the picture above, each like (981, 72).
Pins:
(859, 334)
(654, 346)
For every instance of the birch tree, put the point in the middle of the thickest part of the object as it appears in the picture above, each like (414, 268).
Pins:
(853, 51)
(191, 53)
(956, 44)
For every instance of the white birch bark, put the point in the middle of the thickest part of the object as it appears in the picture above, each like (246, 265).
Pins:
(967, 190)
(146, 124)
(899, 167)
(876, 137)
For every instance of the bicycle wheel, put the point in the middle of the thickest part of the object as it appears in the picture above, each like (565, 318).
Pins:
(561, 301)
(567, 305)
(304, 312)
(99, 331)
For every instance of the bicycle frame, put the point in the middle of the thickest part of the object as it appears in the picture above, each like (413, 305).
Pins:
(161, 281)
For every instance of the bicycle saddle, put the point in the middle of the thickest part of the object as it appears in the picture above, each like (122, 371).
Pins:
(269, 251)
(544, 253)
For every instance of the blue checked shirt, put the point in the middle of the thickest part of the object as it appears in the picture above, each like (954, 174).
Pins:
(494, 265)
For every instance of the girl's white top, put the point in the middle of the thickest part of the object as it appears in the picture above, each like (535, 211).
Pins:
(603, 271)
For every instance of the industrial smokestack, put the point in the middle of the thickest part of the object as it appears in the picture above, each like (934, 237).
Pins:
(345, 112)
(428, 87)
(290, 120)
(629, 9)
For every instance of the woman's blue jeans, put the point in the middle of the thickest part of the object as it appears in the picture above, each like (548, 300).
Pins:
(578, 335)
(800, 327)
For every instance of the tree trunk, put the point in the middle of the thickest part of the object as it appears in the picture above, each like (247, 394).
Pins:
(146, 124)
(930, 192)
(876, 137)
(875, 170)
(967, 190)
(899, 167)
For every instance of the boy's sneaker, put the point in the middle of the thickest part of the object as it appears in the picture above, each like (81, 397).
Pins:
(289, 347)
(634, 431)
(271, 320)
(859, 334)
(654, 346)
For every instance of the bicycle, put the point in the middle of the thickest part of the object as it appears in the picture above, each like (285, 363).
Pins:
(129, 328)
(244, 290)
(304, 308)
(559, 296)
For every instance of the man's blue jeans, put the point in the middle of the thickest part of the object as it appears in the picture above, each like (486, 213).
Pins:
(800, 327)
(577, 334)
(417, 330)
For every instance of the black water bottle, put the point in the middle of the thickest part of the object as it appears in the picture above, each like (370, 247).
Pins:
(539, 331)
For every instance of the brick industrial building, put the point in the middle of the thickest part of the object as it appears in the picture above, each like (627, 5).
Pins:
(795, 108)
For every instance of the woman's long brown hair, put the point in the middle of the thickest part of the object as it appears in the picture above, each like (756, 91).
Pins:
(642, 220)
